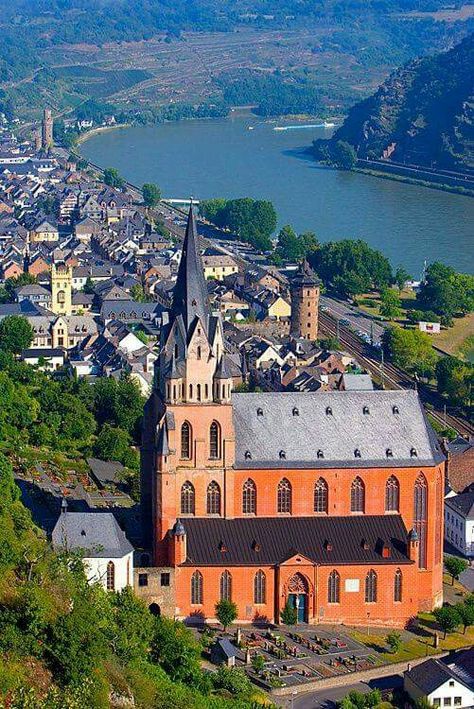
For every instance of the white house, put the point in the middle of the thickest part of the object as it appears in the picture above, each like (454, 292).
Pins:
(444, 686)
(459, 522)
(107, 553)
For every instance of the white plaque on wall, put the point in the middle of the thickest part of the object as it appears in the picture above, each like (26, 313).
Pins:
(352, 585)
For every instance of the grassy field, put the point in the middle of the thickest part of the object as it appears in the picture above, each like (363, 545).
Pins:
(459, 339)
(420, 641)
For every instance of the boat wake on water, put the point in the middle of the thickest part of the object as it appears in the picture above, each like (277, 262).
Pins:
(301, 126)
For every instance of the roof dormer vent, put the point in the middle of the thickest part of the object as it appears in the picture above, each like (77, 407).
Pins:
(282, 455)
(320, 453)
(413, 453)
(366, 411)
(357, 453)
(248, 455)
(327, 545)
(259, 412)
(395, 410)
(389, 453)
(328, 411)
(296, 411)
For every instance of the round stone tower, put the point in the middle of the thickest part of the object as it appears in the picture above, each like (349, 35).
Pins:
(304, 303)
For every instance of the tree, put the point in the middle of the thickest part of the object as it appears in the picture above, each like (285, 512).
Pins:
(351, 266)
(232, 680)
(113, 178)
(466, 613)
(175, 648)
(89, 286)
(226, 612)
(394, 641)
(455, 379)
(132, 628)
(343, 155)
(447, 618)
(138, 294)
(258, 663)
(289, 615)
(252, 220)
(114, 444)
(410, 350)
(290, 247)
(151, 194)
(445, 291)
(16, 334)
(390, 304)
(455, 566)
(401, 277)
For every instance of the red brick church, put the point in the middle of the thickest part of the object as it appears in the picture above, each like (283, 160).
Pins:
(331, 501)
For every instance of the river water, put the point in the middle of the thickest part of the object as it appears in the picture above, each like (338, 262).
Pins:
(223, 158)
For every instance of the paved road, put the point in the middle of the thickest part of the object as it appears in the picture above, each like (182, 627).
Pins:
(358, 321)
(467, 578)
(328, 698)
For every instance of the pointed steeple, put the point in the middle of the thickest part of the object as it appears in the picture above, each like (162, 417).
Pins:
(190, 292)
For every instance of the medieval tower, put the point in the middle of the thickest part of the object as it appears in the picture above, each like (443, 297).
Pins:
(47, 129)
(304, 303)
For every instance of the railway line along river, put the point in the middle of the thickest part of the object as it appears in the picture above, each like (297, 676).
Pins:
(242, 156)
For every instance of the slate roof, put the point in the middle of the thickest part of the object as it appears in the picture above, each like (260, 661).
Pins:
(314, 430)
(463, 503)
(432, 674)
(272, 540)
(105, 471)
(357, 382)
(97, 533)
(190, 292)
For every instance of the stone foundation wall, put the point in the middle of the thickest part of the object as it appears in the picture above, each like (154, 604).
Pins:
(154, 592)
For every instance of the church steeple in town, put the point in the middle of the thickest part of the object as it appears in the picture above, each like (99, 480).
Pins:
(192, 366)
(190, 292)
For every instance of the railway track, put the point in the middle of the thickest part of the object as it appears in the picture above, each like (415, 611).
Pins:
(395, 378)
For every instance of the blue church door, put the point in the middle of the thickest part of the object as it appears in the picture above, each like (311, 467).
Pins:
(300, 602)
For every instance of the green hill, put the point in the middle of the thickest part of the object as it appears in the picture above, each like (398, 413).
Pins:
(422, 114)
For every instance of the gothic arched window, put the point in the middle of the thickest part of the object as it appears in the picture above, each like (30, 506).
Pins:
(186, 439)
(215, 440)
(198, 395)
(260, 588)
(397, 586)
(196, 588)
(284, 496)
(213, 499)
(249, 497)
(188, 499)
(371, 587)
(420, 504)
(392, 494)
(321, 496)
(334, 587)
(111, 576)
(226, 586)
(357, 495)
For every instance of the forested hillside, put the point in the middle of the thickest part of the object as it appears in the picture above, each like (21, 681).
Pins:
(64, 52)
(65, 644)
(422, 114)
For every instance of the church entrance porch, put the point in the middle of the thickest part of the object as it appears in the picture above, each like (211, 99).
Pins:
(298, 596)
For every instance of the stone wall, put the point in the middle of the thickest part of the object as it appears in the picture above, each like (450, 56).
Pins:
(154, 592)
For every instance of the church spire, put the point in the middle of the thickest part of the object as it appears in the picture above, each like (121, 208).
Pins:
(190, 292)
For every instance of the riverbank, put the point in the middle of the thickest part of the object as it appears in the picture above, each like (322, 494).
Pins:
(394, 177)
(83, 137)
(222, 158)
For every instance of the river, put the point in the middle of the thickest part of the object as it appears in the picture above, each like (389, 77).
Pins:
(223, 158)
